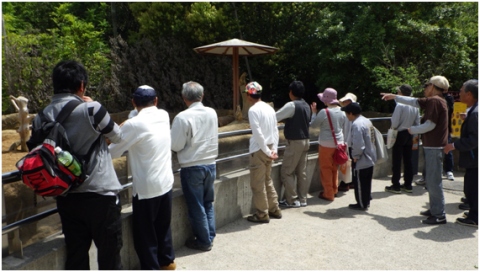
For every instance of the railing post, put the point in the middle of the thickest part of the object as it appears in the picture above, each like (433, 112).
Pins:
(15, 244)
(4, 237)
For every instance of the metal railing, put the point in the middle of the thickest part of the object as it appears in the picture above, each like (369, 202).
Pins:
(15, 176)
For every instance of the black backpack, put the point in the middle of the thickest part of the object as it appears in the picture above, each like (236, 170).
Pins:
(40, 168)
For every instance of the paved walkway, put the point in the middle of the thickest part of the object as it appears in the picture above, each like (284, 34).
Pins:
(330, 236)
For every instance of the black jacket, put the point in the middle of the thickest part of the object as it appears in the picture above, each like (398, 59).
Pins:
(468, 142)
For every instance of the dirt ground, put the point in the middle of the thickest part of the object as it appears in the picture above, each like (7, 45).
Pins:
(9, 159)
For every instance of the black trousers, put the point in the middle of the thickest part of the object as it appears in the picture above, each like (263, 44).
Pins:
(471, 192)
(354, 173)
(152, 234)
(86, 217)
(402, 149)
(363, 186)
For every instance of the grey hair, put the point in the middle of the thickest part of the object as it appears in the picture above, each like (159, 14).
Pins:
(472, 87)
(192, 91)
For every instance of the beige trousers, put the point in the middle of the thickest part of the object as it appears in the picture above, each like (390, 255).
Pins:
(294, 170)
(265, 198)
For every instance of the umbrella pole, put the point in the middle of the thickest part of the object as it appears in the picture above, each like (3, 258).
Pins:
(235, 78)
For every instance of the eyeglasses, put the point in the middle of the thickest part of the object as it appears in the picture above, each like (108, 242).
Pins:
(426, 85)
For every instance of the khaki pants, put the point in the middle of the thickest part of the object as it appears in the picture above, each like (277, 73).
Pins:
(295, 165)
(328, 171)
(265, 198)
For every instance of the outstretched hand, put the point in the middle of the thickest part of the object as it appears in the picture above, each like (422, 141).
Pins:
(388, 96)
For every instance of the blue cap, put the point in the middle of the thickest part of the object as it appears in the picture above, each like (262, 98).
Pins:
(145, 91)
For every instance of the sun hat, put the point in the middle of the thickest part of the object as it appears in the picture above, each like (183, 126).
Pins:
(348, 96)
(328, 96)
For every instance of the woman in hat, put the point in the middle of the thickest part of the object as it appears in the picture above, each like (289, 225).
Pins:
(327, 145)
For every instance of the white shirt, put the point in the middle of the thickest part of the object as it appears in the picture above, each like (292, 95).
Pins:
(147, 139)
(263, 123)
(195, 135)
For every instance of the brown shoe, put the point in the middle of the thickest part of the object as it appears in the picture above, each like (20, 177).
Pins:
(320, 195)
(171, 266)
(255, 219)
(277, 214)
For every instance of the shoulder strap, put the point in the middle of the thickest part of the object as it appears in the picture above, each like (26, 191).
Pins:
(67, 110)
(331, 126)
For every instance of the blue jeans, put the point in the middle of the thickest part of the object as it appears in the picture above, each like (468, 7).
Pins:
(433, 179)
(198, 189)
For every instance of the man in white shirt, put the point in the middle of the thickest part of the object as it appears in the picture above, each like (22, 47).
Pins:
(263, 150)
(195, 139)
(150, 160)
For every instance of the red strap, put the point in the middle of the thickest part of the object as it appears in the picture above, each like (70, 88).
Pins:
(331, 127)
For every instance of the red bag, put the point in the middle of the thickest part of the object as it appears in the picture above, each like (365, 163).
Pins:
(340, 156)
(43, 174)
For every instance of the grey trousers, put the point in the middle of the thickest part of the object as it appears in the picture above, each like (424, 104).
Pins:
(433, 179)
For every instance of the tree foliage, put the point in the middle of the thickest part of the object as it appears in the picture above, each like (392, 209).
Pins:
(360, 47)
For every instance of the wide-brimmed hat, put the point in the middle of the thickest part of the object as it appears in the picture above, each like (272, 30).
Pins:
(348, 96)
(328, 96)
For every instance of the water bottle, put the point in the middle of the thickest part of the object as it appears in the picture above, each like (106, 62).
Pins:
(67, 160)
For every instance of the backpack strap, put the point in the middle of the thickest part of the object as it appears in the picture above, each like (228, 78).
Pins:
(67, 110)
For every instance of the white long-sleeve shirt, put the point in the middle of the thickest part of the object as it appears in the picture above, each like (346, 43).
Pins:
(263, 123)
(404, 117)
(195, 135)
(147, 140)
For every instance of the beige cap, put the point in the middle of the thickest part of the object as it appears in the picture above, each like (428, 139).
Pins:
(440, 81)
(348, 96)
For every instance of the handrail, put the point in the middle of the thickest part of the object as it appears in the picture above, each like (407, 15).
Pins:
(13, 176)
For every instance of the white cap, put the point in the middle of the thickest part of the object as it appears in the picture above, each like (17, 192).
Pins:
(348, 96)
(58, 149)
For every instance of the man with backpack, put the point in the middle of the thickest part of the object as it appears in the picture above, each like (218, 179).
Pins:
(90, 211)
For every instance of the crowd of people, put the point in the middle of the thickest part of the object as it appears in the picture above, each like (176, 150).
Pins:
(92, 210)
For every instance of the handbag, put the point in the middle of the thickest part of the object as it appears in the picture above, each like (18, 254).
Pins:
(345, 172)
(340, 156)
(391, 137)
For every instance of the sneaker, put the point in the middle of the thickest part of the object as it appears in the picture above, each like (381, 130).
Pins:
(466, 222)
(357, 207)
(192, 243)
(465, 214)
(420, 181)
(303, 204)
(464, 206)
(405, 189)
(426, 213)
(284, 203)
(433, 220)
(277, 214)
(392, 189)
(256, 219)
(450, 176)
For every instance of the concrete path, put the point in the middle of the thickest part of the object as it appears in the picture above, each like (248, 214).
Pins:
(330, 236)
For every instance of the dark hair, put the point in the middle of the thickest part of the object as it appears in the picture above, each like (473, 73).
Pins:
(68, 76)
(471, 86)
(297, 88)
(144, 101)
(255, 96)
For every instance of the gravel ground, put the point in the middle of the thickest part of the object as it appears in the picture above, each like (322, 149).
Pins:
(330, 236)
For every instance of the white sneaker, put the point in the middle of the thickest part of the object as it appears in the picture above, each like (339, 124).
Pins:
(450, 176)
(420, 181)
(284, 203)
